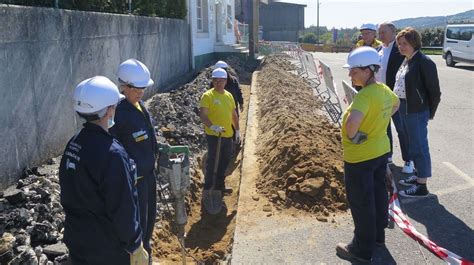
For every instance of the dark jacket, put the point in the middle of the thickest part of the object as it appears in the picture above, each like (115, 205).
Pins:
(135, 131)
(98, 193)
(394, 61)
(422, 85)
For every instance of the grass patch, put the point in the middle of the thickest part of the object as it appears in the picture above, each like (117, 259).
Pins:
(432, 51)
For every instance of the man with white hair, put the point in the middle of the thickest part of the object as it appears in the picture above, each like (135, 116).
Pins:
(391, 61)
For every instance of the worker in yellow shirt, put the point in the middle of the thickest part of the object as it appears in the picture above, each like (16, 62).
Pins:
(366, 147)
(218, 114)
(369, 33)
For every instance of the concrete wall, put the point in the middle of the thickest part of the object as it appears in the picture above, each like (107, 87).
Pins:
(45, 53)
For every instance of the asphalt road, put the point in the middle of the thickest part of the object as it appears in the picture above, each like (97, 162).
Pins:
(446, 216)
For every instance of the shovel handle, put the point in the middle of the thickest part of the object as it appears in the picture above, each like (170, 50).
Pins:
(216, 162)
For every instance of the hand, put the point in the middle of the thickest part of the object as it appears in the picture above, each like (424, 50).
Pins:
(241, 107)
(139, 256)
(217, 128)
(237, 137)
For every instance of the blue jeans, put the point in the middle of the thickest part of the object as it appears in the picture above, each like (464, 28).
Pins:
(401, 136)
(368, 200)
(416, 130)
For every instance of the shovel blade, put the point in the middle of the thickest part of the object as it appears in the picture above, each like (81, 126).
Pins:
(212, 201)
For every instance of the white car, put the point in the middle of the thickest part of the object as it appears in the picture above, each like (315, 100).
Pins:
(458, 44)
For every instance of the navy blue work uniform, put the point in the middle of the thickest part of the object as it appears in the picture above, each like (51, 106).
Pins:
(134, 129)
(99, 198)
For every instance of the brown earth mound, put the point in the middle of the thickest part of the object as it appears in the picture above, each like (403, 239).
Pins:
(299, 148)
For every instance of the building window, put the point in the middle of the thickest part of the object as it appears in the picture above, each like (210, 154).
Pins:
(202, 16)
(230, 20)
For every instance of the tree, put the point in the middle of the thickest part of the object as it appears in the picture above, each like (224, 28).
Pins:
(309, 38)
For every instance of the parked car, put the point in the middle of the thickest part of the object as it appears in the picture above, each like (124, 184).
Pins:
(458, 44)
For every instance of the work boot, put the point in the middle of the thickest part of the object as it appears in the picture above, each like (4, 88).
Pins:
(227, 191)
(343, 252)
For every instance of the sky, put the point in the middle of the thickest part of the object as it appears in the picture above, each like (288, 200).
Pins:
(349, 14)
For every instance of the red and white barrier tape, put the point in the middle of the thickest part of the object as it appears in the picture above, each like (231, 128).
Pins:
(402, 221)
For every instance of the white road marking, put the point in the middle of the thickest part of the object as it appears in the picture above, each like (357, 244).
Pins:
(460, 173)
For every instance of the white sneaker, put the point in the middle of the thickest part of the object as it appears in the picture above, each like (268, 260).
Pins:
(389, 160)
(408, 168)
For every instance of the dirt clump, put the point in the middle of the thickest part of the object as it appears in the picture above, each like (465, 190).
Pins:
(299, 148)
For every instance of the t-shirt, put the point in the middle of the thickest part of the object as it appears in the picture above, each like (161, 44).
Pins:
(375, 101)
(221, 107)
(374, 45)
(137, 105)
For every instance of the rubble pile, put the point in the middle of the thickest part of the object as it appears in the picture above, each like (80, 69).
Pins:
(32, 219)
(300, 150)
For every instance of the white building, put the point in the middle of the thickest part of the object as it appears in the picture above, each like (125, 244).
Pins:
(212, 30)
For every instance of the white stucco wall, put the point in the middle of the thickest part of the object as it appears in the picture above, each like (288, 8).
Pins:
(203, 43)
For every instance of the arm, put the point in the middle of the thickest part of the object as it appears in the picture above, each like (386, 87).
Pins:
(239, 98)
(353, 123)
(429, 76)
(395, 106)
(121, 201)
(203, 114)
(235, 120)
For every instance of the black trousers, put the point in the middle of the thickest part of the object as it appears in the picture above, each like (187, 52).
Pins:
(146, 189)
(224, 159)
(368, 201)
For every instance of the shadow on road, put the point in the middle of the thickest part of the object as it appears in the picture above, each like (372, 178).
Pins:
(443, 227)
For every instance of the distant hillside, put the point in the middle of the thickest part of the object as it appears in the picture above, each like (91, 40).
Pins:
(433, 22)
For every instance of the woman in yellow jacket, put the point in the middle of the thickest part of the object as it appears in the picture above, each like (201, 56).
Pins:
(366, 145)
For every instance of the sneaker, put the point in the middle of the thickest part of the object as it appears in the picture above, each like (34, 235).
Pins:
(417, 190)
(408, 168)
(343, 251)
(411, 180)
(389, 160)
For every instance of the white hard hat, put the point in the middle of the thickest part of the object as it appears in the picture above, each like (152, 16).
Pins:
(368, 26)
(221, 64)
(362, 57)
(134, 73)
(219, 73)
(95, 94)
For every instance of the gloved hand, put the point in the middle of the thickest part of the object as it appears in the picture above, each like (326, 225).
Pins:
(139, 256)
(217, 128)
(237, 137)
(241, 107)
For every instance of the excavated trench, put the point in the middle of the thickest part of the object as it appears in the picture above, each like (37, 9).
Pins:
(300, 162)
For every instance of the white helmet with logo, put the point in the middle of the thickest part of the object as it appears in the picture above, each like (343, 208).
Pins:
(135, 73)
(221, 64)
(95, 94)
(363, 57)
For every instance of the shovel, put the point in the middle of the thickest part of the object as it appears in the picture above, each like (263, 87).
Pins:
(212, 199)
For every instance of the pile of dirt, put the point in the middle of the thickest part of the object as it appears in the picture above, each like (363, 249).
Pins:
(299, 148)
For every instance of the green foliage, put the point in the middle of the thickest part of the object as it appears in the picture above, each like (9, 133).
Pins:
(160, 8)
(309, 38)
(432, 37)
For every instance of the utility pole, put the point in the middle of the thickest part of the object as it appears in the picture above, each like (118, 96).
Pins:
(252, 6)
(317, 25)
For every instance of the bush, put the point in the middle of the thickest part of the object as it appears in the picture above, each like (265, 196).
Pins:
(309, 38)
(160, 8)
